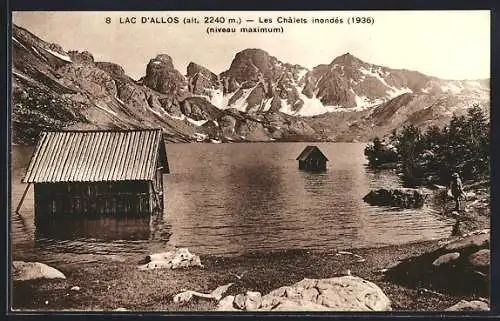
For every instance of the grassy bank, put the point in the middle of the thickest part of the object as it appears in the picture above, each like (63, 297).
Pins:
(107, 286)
(111, 285)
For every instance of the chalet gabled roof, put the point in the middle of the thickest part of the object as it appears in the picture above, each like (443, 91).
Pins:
(94, 156)
(310, 151)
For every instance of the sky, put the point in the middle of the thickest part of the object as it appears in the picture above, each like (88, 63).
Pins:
(445, 44)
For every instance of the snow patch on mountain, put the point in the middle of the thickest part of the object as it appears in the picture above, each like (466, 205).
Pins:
(120, 101)
(302, 74)
(22, 75)
(267, 105)
(452, 87)
(58, 55)
(196, 122)
(107, 110)
(18, 42)
(391, 91)
(182, 117)
(313, 106)
(241, 103)
(359, 101)
(200, 137)
(474, 83)
(216, 97)
(38, 53)
(394, 92)
(374, 74)
(157, 113)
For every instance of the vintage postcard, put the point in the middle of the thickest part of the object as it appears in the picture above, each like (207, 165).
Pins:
(250, 161)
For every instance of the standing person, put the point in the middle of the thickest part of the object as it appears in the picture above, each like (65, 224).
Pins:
(457, 190)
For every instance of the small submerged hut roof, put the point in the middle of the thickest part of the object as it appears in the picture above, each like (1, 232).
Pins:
(97, 156)
(309, 152)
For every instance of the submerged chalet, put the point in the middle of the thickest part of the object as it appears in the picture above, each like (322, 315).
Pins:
(108, 172)
(312, 159)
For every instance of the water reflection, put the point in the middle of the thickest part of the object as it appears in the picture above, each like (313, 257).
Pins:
(230, 199)
(102, 229)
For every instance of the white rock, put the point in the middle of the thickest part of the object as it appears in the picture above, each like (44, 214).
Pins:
(346, 293)
(226, 304)
(183, 297)
(23, 271)
(299, 305)
(469, 306)
(253, 301)
(75, 288)
(239, 301)
(180, 258)
(480, 258)
(446, 258)
(219, 291)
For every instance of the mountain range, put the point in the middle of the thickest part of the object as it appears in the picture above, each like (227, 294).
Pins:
(258, 98)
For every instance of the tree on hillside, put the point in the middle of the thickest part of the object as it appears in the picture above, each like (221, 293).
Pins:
(430, 157)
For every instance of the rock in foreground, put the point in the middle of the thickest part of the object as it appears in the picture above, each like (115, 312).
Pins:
(180, 258)
(346, 293)
(24, 271)
(399, 197)
(461, 266)
(469, 306)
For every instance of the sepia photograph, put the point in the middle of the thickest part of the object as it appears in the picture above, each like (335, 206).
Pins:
(250, 161)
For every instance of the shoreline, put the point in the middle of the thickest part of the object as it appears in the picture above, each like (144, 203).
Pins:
(106, 286)
(114, 284)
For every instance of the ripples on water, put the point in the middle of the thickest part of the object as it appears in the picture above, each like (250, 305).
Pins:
(229, 199)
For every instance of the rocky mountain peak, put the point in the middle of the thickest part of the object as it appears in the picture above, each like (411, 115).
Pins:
(259, 97)
(202, 81)
(252, 53)
(163, 77)
(81, 57)
(111, 68)
(193, 69)
(163, 59)
(252, 65)
(347, 59)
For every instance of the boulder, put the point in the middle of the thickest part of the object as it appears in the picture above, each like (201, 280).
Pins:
(183, 297)
(120, 310)
(298, 306)
(226, 304)
(346, 293)
(253, 301)
(186, 296)
(180, 258)
(399, 197)
(469, 306)
(239, 301)
(220, 290)
(23, 271)
(446, 258)
(480, 258)
(459, 267)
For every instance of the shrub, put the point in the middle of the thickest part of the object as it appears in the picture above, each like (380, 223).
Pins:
(462, 146)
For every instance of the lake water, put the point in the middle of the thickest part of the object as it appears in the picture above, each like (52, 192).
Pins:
(230, 199)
